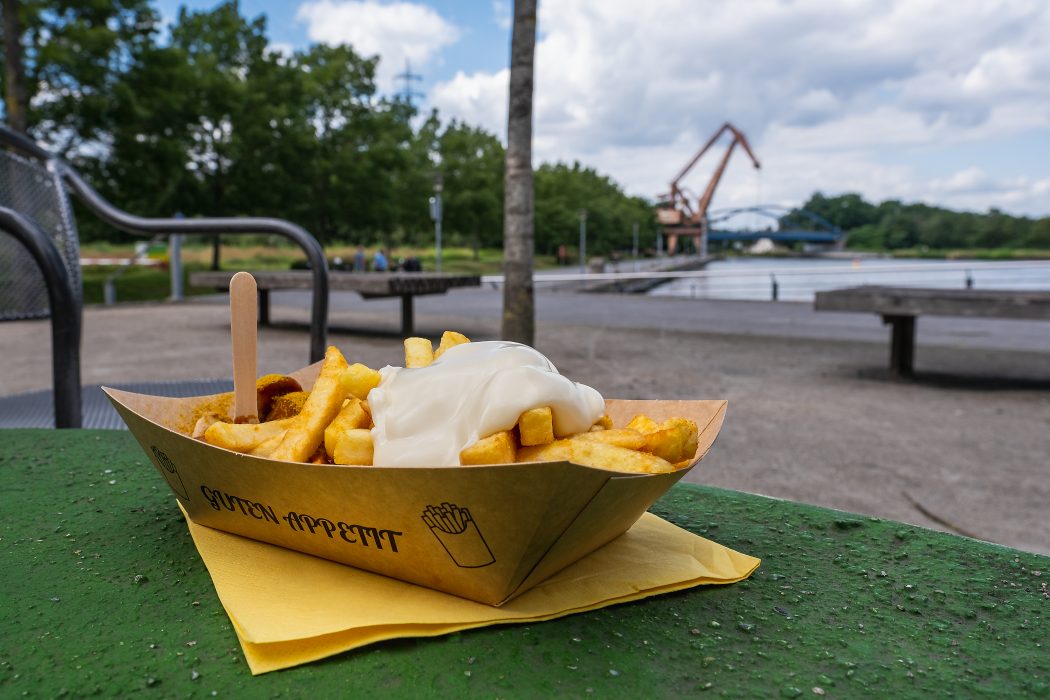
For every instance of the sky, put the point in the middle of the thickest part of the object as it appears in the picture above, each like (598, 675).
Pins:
(941, 101)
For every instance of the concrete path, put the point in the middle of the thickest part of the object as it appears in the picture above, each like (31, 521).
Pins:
(776, 319)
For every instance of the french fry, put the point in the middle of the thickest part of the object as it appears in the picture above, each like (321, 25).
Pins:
(207, 419)
(591, 453)
(331, 424)
(351, 417)
(674, 440)
(692, 439)
(621, 437)
(551, 452)
(643, 424)
(605, 456)
(326, 398)
(270, 386)
(244, 437)
(449, 339)
(360, 380)
(267, 446)
(419, 352)
(498, 448)
(536, 426)
(287, 405)
(353, 447)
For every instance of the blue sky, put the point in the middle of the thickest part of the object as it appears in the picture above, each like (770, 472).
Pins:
(483, 44)
(921, 100)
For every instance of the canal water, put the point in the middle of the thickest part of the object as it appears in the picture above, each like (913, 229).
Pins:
(798, 279)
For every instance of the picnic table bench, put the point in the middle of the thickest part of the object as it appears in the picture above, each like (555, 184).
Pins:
(901, 306)
(105, 594)
(370, 285)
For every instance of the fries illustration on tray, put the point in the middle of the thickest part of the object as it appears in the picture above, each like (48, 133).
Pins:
(459, 535)
(460, 404)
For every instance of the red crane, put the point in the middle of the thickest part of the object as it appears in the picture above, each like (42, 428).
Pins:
(674, 211)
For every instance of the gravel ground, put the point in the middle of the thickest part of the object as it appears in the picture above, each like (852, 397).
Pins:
(963, 448)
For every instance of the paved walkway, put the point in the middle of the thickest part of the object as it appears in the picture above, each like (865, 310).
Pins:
(761, 318)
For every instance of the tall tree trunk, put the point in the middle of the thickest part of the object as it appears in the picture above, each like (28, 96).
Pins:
(16, 96)
(519, 312)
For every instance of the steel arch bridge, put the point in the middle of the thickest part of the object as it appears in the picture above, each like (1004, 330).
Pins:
(824, 232)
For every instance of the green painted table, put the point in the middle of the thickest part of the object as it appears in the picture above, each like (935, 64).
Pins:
(104, 594)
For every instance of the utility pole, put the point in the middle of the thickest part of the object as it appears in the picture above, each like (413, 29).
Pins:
(175, 262)
(634, 247)
(436, 215)
(583, 241)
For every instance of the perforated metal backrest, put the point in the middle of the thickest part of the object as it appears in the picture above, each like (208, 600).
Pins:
(34, 189)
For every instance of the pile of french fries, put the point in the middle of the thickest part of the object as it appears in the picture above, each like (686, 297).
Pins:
(332, 425)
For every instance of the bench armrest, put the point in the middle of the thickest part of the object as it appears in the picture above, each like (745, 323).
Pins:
(240, 225)
(65, 315)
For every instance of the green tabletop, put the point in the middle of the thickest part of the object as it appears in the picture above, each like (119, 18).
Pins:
(104, 594)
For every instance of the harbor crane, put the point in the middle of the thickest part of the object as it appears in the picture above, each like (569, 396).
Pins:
(674, 211)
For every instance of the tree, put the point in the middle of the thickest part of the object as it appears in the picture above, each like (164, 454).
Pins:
(345, 161)
(472, 169)
(519, 312)
(847, 211)
(184, 109)
(563, 190)
(1039, 234)
(16, 95)
(61, 60)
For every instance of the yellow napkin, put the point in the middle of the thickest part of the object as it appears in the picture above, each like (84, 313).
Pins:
(290, 608)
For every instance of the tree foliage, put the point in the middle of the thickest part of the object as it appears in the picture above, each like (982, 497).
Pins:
(562, 191)
(74, 52)
(211, 121)
(894, 225)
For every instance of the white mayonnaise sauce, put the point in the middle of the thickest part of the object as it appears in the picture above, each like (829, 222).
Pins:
(426, 416)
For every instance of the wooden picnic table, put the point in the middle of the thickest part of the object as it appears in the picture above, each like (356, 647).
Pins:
(901, 306)
(104, 594)
(370, 285)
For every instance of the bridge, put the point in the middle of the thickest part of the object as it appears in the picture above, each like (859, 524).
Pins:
(823, 231)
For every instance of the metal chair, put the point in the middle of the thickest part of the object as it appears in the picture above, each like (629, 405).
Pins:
(40, 259)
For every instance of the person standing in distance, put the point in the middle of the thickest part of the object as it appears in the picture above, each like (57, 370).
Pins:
(379, 263)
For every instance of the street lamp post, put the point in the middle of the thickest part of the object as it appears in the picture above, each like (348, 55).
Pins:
(634, 247)
(175, 262)
(583, 241)
(435, 215)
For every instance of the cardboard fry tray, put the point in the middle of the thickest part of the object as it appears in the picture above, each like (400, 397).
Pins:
(482, 533)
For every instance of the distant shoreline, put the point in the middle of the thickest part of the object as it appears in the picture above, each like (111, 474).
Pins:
(960, 254)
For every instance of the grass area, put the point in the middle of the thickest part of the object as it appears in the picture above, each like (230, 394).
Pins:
(973, 253)
(154, 283)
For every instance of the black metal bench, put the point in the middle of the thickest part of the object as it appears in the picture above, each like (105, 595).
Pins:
(370, 285)
(39, 256)
(901, 306)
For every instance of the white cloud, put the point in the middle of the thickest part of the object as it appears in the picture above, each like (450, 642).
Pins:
(281, 48)
(483, 96)
(397, 32)
(503, 13)
(833, 95)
